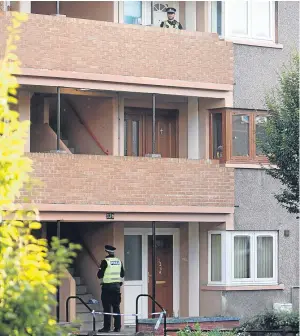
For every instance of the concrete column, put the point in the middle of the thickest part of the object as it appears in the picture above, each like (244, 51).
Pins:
(183, 131)
(24, 111)
(21, 6)
(184, 269)
(194, 269)
(203, 132)
(190, 15)
(193, 128)
(121, 124)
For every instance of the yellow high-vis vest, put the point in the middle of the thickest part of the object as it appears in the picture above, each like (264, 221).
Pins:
(166, 24)
(112, 271)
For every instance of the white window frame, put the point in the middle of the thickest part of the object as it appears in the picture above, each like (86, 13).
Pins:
(146, 12)
(227, 262)
(226, 19)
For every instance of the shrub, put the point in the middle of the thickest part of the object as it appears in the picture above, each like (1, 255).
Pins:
(272, 320)
(198, 332)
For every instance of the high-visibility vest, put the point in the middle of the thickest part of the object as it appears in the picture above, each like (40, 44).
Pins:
(168, 25)
(112, 271)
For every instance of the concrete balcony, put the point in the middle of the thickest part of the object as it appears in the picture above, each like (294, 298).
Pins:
(58, 46)
(109, 181)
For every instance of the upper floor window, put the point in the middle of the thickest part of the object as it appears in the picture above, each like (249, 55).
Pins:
(236, 135)
(133, 12)
(243, 257)
(244, 19)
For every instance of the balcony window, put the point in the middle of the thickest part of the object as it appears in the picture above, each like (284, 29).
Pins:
(248, 257)
(254, 20)
(133, 12)
(236, 136)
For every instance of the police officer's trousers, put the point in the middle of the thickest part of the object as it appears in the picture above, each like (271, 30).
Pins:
(111, 299)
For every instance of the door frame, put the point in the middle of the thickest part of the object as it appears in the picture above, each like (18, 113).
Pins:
(145, 232)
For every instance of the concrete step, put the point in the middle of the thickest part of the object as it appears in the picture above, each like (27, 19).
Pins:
(88, 317)
(72, 150)
(78, 281)
(81, 308)
(81, 289)
(85, 297)
(88, 326)
(66, 142)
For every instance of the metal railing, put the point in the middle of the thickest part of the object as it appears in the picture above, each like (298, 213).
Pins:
(137, 312)
(85, 304)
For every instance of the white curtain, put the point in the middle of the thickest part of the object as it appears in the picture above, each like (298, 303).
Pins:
(241, 257)
(216, 258)
(264, 257)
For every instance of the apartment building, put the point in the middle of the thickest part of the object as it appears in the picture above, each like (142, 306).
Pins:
(134, 126)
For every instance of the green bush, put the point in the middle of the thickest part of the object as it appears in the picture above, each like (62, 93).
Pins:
(272, 320)
(198, 332)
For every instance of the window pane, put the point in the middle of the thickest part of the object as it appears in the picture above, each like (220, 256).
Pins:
(260, 132)
(133, 12)
(135, 138)
(261, 18)
(237, 17)
(240, 135)
(216, 17)
(264, 257)
(133, 257)
(217, 135)
(241, 257)
(216, 258)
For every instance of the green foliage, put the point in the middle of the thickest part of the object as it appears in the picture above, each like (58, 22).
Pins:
(198, 332)
(281, 143)
(272, 320)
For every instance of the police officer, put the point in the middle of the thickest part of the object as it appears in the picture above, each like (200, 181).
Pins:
(171, 22)
(110, 273)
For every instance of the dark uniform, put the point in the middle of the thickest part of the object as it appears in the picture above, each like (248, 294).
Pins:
(111, 271)
(171, 23)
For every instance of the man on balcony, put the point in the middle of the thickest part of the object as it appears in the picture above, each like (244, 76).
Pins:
(171, 22)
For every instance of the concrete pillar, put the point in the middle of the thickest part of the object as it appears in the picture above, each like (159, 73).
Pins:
(203, 132)
(24, 111)
(21, 6)
(194, 269)
(184, 269)
(190, 15)
(193, 128)
(183, 131)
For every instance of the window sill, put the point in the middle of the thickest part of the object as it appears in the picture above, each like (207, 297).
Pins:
(255, 43)
(242, 288)
(249, 165)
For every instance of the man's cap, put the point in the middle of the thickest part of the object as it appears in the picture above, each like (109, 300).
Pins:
(109, 248)
(171, 10)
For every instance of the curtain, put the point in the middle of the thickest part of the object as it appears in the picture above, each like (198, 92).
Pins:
(241, 257)
(216, 258)
(264, 257)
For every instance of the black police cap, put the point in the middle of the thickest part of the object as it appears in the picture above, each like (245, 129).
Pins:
(109, 248)
(171, 10)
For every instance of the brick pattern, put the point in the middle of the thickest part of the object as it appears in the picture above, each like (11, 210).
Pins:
(227, 325)
(61, 43)
(109, 180)
(1, 6)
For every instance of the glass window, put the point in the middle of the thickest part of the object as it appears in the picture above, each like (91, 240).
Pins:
(260, 132)
(216, 17)
(217, 135)
(216, 257)
(240, 135)
(241, 257)
(264, 257)
(133, 257)
(133, 12)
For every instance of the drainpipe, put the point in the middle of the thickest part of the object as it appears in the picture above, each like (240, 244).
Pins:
(57, 294)
(58, 120)
(153, 265)
(57, 7)
(153, 124)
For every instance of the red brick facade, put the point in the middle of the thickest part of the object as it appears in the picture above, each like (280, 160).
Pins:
(62, 43)
(109, 180)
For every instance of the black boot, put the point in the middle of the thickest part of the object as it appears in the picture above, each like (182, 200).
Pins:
(103, 330)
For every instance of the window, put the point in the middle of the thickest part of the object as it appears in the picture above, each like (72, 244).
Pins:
(136, 12)
(133, 257)
(236, 135)
(249, 258)
(244, 19)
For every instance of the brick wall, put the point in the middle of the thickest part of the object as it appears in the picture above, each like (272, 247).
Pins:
(62, 43)
(98, 179)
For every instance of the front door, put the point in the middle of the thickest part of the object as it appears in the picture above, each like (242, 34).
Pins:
(138, 133)
(164, 273)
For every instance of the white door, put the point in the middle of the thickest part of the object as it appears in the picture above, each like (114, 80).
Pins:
(135, 269)
(159, 11)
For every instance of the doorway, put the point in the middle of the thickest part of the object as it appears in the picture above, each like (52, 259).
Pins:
(138, 269)
(138, 132)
